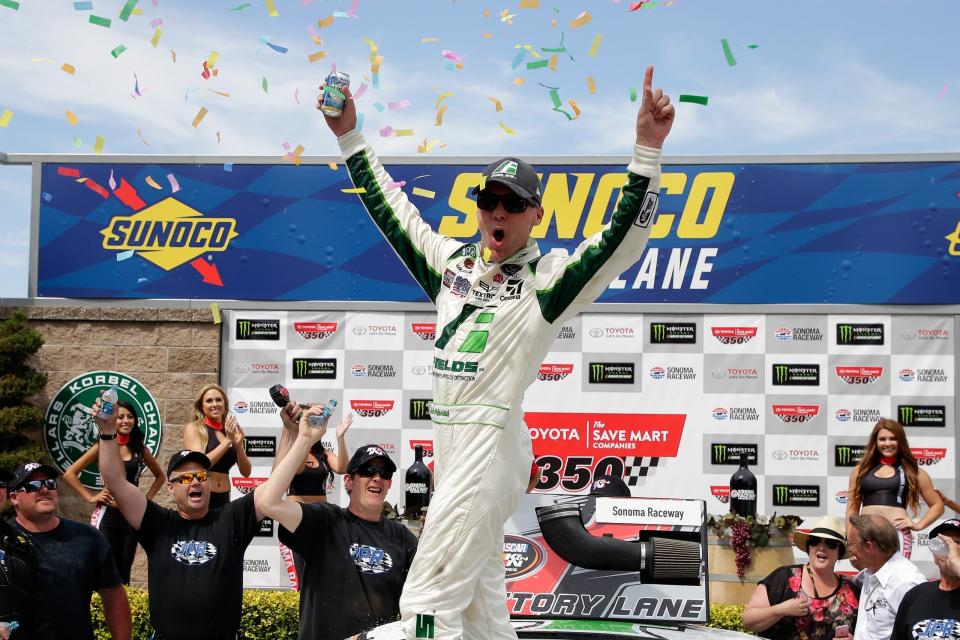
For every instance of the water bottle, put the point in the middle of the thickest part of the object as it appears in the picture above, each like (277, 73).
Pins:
(938, 547)
(107, 400)
(317, 421)
(743, 490)
(416, 486)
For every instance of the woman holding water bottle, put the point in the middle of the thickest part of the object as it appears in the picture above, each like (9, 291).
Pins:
(216, 432)
(106, 517)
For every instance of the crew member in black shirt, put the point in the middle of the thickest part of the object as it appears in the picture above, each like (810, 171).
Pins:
(194, 553)
(932, 609)
(356, 560)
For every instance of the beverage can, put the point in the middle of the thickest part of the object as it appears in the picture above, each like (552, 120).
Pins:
(332, 104)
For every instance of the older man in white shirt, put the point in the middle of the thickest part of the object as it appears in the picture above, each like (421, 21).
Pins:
(886, 575)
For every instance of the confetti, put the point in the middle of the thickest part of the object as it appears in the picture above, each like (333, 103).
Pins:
(354, 190)
(946, 88)
(487, 35)
(156, 22)
(71, 118)
(425, 146)
(379, 107)
(220, 93)
(68, 68)
(10, 4)
(591, 85)
(123, 255)
(128, 195)
(240, 7)
(426, 193)
(440, 113)
(323, 23)
(275, 47)
(111, 181)
(553, 62)
(116, 51)
(496, 103)
(215, 312)
(46, 196)
(636, 5)
(296, 95)
(77, 142)
(633, 94)
(518, 81)
(218, 137)
(174, 185)
(398, 104)
(83, 6)
(451, 55)
(330, 89)
(96, 188)
(693, 99)
(443, 96)
(294, 156)
(581, 20)
(70, 172)
(506, 16)
(538, 64)
(362, 90)
(153, 183)
(127, 9)
(228, 167)
(518, 59)
(332, 165)
(264, 85)
(100, 22)
(731, 61)
(507, 129)
(319, 55)
(98, 145)
(422, 40)
(199, 117)
(155, 40)
(597, 39)
(360, 117)
(529, 4)
(402, 132)
(576, 109)
(752, 46)
(271, 8)
(386, 132)
(396, 185)
(173, 54)
(555, 98)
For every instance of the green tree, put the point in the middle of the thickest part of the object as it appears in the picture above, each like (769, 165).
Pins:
(20, 421)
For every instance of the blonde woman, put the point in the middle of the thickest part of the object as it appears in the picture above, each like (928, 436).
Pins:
(216, 432)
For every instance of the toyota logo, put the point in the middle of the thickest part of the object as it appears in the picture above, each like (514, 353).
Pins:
(242, 368)
(719, 373)
(908, 334)
(359, 331)
(779, 454)
(596, 333)
(419, 370)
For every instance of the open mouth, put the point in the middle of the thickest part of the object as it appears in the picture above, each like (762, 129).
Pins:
(498, 235)
(195, 493)
(375, 490)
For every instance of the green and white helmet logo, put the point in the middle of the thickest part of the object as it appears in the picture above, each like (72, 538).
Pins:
(69, 430)
(508, 167)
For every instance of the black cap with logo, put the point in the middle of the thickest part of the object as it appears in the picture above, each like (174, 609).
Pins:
(23, 472)
(516, 174)
(187, 455)
(953, 524)
(609, 487)
(365, 454)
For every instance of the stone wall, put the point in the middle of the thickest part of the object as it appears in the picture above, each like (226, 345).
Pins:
(173, 352)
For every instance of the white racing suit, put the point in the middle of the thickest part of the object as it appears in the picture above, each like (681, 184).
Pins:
(495, 324)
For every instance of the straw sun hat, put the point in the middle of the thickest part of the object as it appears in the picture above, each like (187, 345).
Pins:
(826, 527)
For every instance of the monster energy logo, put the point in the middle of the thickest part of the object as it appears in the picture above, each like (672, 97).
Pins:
(424, 628)
(300, 367)
(860, 334)
(596, 371)
(844, 333)
(920, 415)
(848, 456)
(419, 409)
(658, 332)
(719, 453)
(730, 453)
(906, 415)
(243, 329)
(673, 333)
(325, 368)
(796, 374)
(780, 373)
(258, 329)
(781, 493)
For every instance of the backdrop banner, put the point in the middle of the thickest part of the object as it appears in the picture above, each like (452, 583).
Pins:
(870, 233)
(668, 403)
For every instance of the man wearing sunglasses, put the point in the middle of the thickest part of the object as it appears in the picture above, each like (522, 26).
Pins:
(194, 553)
(75, 558)
(500, 304)
(356, 561)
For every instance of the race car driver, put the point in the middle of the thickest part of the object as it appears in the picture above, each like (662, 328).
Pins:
(500, 304)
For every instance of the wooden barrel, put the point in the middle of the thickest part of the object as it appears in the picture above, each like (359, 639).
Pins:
(725, 586)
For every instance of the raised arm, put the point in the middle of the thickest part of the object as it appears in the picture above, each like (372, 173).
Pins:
(268, 497)
(130, 501)
(235, 434)
(288, 416)
(952, 504)
(72, 477)
(339, 463)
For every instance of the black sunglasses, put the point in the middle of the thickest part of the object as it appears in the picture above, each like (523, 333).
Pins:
(512, 203)
(813, 541)
(32, 486)
(372, 469)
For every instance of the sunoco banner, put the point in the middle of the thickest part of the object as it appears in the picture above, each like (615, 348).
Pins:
(745, 233)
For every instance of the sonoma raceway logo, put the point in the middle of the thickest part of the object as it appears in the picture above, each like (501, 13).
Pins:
(736, 414)
(798, 334)
(859, 375)
(553, 372)
(315, 330)
(372, 408)
(69, 430)
(923, 374)
(795, 412)
(734, 335)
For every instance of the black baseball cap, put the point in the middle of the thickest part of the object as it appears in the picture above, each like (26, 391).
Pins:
(609, 487)
(365, 454)
(187, 455)
(952, 524)
(516, 174)
(21, 473)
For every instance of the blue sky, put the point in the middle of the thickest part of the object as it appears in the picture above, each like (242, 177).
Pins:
(824, 77)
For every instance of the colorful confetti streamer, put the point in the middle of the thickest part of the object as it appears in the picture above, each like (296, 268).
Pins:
(353, 190)
(124, 255)
(197, 119)
(318, 55)
(264, 85)
(271, 8)
(116, 51)
(142, 139)
(215, 312)
(591, 85)
(693, 99)
(498, 106)
(597, 39)
(155, 40)
(727, 53)
(71, 118)
(174, 185)
(537, 64)
(83, 6)
(10, 4)
(153, 183)
(398, 104)
(440, 113)
(70, 172)
(127, 9)
(98, 144)
(581, 20)
(5, 118)
(507, 129)
(68, 68)
(424, 193)
(240, 7)
(275, 47)
(100, 22)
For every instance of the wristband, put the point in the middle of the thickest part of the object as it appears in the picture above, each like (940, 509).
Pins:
(108, 436)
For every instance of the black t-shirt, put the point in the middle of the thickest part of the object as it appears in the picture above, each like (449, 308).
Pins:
(196, 569)
(927, 611)
(75, 561)
(353, 573)
(21, 596)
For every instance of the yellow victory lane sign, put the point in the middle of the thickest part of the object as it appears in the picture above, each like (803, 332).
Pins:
(169, 233)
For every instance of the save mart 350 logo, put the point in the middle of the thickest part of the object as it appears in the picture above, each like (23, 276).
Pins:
(69, 431)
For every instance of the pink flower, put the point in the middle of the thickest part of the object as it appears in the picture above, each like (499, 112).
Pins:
(818, 614)
(846, 609)
(794, 584)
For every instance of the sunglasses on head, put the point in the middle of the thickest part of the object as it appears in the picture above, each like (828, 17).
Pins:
(372, 469)
(813, 541)
(512, 203)
(32, 486)
(187, 478)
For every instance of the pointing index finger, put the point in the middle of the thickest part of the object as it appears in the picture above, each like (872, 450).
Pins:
(648, 86)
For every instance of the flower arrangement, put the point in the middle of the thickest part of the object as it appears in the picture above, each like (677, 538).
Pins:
(744, 533)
